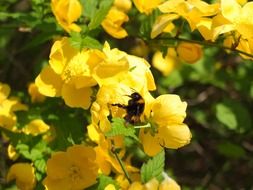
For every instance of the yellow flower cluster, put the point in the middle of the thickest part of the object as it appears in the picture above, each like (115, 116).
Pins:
(75, 76)
(8, 106)
(227, 17)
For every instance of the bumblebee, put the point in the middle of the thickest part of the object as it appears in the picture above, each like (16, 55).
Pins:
(134, 108)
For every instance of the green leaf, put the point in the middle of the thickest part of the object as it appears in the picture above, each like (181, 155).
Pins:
(231, 150)
(106, 180)
(226, 115)
(40, 165)
(89, 7)
(89, 42)
(100, 13)
(118, 128)
(78, 42)
(153, 168)
(234, 115)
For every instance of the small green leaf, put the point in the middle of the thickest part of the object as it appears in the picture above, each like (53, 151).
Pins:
(40, 165)
(118, 128)
(153, 168)
(89, 7)
(226, 115)
(106, 180)
(78, 42)
(100, 14)
(231, 150)
(89, 42)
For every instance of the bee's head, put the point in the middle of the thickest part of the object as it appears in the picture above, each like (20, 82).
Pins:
(135, 96)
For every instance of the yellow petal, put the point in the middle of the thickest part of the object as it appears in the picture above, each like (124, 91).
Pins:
(36, 127)
(113, 21)
(167, 109)
(76, 97)
(146, 6)
(48, 82)
(23, 173)
(4, 91)
(174, 136)
(161, 23)
(230, 9)
(150, 144)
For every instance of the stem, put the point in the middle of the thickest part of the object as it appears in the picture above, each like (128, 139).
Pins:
(212, 44)
(121, 164)
(142, 126)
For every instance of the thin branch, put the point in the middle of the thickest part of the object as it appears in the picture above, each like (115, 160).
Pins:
(204, 43)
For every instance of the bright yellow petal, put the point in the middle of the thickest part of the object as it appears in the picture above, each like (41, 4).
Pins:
(167, 109)
(76, 97)
(150, 144)
(48, 82)
(35, 127)
(24, 175)
(4, 91)
(230, 9)
(161, 23)
(174, 136)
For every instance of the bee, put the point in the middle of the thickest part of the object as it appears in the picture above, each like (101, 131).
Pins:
(134, 108)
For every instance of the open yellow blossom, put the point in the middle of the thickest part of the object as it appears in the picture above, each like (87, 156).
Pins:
(146, 6)
(113, 21)
(66, 13)
(165, 64)
(189, 52)
(169, 131)
(167, 184)
(36, 96)
(119, 67)
(233, 17)
(194, 11)
(68, 75)
(36, 127)
(24, 175)
(74, 169)
(7, 108)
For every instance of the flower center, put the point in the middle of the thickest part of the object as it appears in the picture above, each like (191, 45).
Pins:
(74, 173)
(76, 67)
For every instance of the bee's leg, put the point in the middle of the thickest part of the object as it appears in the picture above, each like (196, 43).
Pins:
(120, 106)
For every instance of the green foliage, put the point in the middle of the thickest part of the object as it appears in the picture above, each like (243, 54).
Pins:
(119, 128)
(153, 168)
(79, 42)
(95, 14)
(231, 150)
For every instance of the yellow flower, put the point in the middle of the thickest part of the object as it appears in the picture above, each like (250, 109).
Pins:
(167, 184)
(146, 6)
(165, 64)
(12, 154)
(233, 17)
(68, 75)
(168, 130)
(7, 108)
(36, 96)
(36, 127)
(124, 5)
(194, 11)
(74, 169)
(119, 67)
(113, 21)
(23, 173)
(189, 52)
(66, 13)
